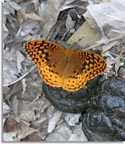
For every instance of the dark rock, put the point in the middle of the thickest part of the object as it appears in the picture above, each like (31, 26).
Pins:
(102, 104)
(71, 102)
(105, 120)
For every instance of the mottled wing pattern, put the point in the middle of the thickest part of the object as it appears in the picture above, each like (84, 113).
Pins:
(76, 78)
(94, 64)
(44, 54)
(74, 82)
(87, 66)
(61, 69)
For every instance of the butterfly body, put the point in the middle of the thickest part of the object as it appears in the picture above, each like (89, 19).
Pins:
(64, 68)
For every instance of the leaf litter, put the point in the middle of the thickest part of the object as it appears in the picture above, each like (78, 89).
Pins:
(27, 115)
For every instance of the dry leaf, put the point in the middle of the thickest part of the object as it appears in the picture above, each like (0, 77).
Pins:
(108, 46)
(33, 16)
(5, 31)
(15, 105)
(27, 113)
(7, 9)
(9, 136)
(69, 22)
(72, 119)
(53, 121)
(9, 66)
(85, 36)
(20, 59)
(61, 133)
(45, 105)
(78, 134)
(33, 137)
(24, 131)
(117, 64)
(49, 13)
(6, 108)
(14, 5)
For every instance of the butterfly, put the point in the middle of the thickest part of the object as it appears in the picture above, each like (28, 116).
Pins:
(60, 67)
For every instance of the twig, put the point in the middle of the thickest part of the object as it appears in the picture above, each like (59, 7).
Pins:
(110, 40)
(20, 77)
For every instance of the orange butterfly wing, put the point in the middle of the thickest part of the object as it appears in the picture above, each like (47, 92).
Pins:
(47, 56)
(62, 68)
(86, 65)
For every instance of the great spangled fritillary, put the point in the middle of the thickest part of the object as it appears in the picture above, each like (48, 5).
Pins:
(64, 68)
